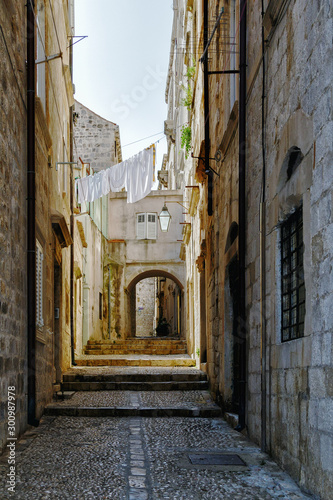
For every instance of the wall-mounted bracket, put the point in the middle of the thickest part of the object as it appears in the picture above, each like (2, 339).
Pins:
(67, 163)
(49, 58)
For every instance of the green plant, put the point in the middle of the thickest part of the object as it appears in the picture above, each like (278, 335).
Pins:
(187, 101)
(198, 352)
(185, 138)
(191, 70)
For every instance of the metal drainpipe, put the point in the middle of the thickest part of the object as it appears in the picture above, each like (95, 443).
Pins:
(242, 215)
(262, 249)
(31, 216)
(109, 304)
(71, 220)
(206, 111)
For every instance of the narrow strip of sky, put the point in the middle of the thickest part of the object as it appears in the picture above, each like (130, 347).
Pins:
(120, 70)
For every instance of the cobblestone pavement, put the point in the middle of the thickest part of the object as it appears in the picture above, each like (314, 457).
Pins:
(140, 459)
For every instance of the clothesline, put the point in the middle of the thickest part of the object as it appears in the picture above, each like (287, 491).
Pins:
(135, 175)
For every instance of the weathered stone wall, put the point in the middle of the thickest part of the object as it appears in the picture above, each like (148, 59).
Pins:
(53, 196)
(13, 307)
(298, 113)
(97, 140)
(145, 307)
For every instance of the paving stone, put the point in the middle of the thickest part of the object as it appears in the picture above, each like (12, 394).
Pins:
(136, 482)
(138, 471)
(93, 457)
(137, 494)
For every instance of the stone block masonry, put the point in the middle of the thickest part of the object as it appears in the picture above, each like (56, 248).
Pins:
(12, 213)
(96, 140)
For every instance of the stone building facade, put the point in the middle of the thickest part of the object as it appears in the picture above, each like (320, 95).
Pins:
(258, 191)
(96, 147)
(36, 210)
(13, 214)
(115, 262)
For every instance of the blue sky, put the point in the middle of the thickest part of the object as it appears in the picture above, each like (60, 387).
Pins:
(120, 69)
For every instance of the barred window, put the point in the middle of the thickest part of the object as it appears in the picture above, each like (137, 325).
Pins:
(39, 284)
(292, 286)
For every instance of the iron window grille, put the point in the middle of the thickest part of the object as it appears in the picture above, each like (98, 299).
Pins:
(292, 286)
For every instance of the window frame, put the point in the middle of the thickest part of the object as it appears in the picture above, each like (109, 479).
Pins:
(292, 277)
(39, 284)
(146, 229)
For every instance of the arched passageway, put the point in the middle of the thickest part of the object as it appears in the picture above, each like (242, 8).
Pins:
(155, 299)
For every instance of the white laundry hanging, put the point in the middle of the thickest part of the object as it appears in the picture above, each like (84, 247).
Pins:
(117, 176)
(140, 176)
(134, 174)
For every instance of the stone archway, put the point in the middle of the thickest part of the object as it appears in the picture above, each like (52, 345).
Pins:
(168, 300)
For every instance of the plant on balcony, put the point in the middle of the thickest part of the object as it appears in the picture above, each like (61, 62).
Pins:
(185, 138)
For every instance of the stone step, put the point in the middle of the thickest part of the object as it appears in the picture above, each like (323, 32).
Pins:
(131, 345)
(153, 351)
(169, 376)
(141, 404)
(94, 360)
(69, 411)
(144, 346)
(135, 386)
(141, 340)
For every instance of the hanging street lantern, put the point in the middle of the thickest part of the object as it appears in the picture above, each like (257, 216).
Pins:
(164, 218)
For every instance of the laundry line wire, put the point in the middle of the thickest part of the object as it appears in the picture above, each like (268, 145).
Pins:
(149, 136)
(144, 138)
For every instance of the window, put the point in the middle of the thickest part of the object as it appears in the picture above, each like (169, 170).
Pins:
(232, 53)
(39, 284)
(41, 52)
(100, 306)
(292, 286)
(146, 228)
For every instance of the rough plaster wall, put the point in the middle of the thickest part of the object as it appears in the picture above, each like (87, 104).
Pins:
(95, 139)
(299, 77)
(145, 307)
(12, 214)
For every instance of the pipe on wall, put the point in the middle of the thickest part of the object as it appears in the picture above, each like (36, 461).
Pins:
(242, 332)
(31, 216)
(206, 112)
(72, 301)
(263, 341)
(109, 303)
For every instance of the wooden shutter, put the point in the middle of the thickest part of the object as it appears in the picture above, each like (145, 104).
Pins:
(141, 226)
(151, 226)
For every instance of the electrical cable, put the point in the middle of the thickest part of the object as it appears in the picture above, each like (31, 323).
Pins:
(12, 66)
(149, 136)
(47, 62)
(55, 27)
(229, 55)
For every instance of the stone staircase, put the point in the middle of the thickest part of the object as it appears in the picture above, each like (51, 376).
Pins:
(134, 392)
(146, 345)
(169, 381)
(144, 351)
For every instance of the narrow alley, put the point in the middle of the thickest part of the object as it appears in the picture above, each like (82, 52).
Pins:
(139, 443)
(166, 250)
